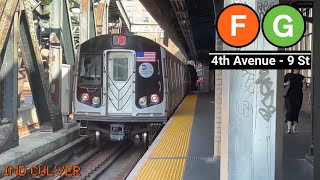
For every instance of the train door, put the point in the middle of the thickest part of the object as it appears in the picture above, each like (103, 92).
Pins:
(119, 82)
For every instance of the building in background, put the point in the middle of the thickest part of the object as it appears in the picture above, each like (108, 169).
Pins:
(143, 24)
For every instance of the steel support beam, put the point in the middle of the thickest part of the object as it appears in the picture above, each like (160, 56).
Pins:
(101, 18)
(316, 87)
(84, 20)
(55, 58)
(9, 137)
(92, 31)
(49, 115)
(180, 9)
(67, 37)
(7, 9)
(124, 15)
(163, 13)
(105, 25)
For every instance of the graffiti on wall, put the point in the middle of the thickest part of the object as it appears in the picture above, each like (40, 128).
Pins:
(265, 84)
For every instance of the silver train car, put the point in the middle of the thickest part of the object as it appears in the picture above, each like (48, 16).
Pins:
(126, 85)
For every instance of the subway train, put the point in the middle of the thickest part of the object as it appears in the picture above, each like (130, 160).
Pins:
(126, 85)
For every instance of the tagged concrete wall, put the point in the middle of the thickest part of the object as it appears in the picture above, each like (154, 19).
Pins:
(254, 114)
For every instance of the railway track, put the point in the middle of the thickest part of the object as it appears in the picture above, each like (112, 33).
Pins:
(110, 160)
(120, 169)
(98, 160)
(113, 160)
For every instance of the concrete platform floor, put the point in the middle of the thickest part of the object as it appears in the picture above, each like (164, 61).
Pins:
(37, 145)
(295, 148)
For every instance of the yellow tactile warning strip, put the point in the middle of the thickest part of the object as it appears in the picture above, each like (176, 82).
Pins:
(162, 169)
(167, 161)
(175, 142)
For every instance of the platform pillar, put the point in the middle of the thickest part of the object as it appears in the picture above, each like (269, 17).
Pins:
(252, 110)
(316, 87)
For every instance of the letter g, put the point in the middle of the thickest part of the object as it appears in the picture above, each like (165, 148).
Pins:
(289, 27)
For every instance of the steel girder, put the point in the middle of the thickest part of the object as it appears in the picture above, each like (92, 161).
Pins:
(9, 137)
(163, 13)
(67, 37)
(92, 23)
(84, 21)
(101, 16)
(181, 11)
(7, 9)
(49, 115)
(55, 57)
(123, 15)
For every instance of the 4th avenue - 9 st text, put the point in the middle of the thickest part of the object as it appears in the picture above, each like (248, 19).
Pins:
(261, 59)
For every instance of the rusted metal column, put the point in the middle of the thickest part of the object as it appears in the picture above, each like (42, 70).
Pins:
(49, 116)
(9, 137)
(84, 20)
(101, 18)
(7, 10)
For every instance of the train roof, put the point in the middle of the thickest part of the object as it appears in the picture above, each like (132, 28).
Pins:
(100, 43)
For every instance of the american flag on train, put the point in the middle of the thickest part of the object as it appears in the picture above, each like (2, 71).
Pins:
(146, 56)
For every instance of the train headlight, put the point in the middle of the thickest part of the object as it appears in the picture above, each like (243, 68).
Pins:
(85, 97)
(143, 101)
(154, 98)
(95, 100)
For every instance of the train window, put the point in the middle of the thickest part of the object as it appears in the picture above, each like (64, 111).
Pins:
(90, 70)
(120, 69)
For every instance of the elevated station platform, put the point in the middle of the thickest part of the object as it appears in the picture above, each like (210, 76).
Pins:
(184, 148)
(36, 145)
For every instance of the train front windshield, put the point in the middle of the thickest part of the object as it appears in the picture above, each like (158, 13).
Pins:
(120, 69)
(90, 70)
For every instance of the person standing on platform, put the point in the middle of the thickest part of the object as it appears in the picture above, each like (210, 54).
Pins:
(193, 76)
(293, 98)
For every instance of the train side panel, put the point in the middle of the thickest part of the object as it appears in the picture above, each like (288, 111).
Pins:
(176, 78)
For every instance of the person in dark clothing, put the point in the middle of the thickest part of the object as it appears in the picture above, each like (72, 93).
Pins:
(193, 76)
(293, 98)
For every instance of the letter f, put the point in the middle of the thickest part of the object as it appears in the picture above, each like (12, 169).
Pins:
(235, 25)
